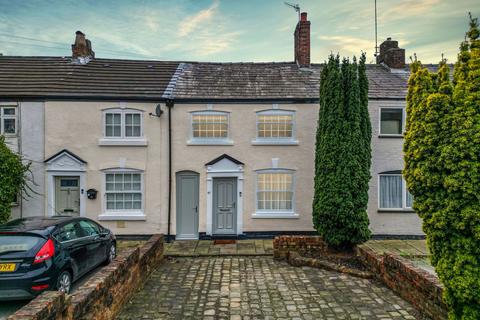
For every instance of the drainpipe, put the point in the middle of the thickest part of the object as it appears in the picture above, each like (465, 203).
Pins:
(170, 103)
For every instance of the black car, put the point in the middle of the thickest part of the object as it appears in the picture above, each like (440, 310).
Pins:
(40, 253)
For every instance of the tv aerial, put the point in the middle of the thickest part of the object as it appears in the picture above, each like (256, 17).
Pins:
(295, 6)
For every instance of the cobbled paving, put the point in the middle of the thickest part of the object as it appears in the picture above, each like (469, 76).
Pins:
(259, 288)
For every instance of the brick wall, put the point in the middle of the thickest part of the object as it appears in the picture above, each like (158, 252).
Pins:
(419, 287)
(103, 295)
(304, 245)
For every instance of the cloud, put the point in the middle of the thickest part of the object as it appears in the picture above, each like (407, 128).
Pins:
(347, 44)
(407, 8)
(193, 22)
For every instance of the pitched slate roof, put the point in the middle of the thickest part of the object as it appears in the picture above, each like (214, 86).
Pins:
(58, 77)
(272, 81)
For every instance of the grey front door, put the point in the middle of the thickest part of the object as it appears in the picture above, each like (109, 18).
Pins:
(187, 205)
(67, 196)
(224, 206)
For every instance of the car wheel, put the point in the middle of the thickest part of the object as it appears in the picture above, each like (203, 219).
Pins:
(64, 282)
(111, 253)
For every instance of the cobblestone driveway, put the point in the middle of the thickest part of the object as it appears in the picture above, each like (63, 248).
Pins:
(259, 288)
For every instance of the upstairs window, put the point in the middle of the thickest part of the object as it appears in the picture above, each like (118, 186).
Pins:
(123, 123)
(393, 193)
(391, 121)
(275, 127)
(8, 120)
(209, 126)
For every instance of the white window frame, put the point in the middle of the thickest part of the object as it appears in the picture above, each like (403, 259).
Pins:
(3, 116)
(275, 214)
(123, 140)
(393, 135)
(276, 140)
(211, 140)
(404, 194)
(122, 214)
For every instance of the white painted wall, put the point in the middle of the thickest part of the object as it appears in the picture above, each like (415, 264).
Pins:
(30, 144)
(387, 155)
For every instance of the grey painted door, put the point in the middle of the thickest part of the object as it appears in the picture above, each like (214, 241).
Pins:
(187, 205)
(224, 206)
(67, 196)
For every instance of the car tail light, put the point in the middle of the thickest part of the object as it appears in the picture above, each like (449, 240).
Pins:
(40, 287)
(46, 252)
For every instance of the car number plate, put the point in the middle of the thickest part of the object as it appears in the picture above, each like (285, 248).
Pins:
(7, 267)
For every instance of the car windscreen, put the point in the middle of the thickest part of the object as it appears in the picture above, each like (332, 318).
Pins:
(18, 243)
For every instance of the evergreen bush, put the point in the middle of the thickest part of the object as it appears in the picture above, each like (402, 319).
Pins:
(442, 170)
(342, 155)
(13, 179)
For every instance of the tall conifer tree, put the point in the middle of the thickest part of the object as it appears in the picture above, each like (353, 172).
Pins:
(339, 207)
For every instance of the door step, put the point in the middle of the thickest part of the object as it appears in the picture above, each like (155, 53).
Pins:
(224, 241)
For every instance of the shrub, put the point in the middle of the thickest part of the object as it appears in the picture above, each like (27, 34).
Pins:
(442, 170)
(13, 179)
(342, 157)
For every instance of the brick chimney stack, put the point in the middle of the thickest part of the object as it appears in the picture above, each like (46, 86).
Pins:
(391, 54)
(302, 41)
(82, 48)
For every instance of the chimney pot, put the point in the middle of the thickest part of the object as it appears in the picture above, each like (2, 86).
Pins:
(302, 41)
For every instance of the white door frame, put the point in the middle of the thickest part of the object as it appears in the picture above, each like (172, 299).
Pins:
(64, 165)
(225, 169)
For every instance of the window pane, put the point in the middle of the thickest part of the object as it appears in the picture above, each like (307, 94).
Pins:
(8, 125)
(390, 191)
(409, 200)
(9, 111)
(117, 131)
(391, 121)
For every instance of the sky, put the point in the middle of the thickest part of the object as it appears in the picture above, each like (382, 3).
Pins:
(231, 30)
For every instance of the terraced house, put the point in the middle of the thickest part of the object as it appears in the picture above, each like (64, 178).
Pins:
(197, 149)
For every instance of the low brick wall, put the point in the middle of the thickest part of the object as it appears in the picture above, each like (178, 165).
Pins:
(304, 245)
(419, 287)
(103, 295)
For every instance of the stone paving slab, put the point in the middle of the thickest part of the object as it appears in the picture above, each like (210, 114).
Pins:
(259, 288)
(196, 248)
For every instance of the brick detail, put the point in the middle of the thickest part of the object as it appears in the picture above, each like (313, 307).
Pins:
(82, 48)
(419, 287)
(302, 41)
(391, 54)
(102, 296)
(304, 245)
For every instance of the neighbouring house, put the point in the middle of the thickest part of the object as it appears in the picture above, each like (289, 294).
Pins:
(22, 125)
(197, 149)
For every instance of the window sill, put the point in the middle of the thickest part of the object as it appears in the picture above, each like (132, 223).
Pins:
(258, 142)
(393, 136)
(130, 216)
(209, 142)
(275, 215)
(399, 210)
(139, 142)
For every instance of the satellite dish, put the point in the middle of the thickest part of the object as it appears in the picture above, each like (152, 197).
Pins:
(158, 111)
